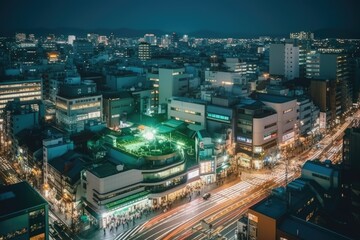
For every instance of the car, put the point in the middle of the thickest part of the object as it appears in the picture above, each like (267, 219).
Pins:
(206, 196)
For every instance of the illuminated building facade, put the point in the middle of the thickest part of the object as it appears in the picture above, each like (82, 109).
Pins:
(24, 90)
(138, 174)
(256, 133)
(144, 51)
(166, 83)
(116, 108)
(287, 113)
(77, 105)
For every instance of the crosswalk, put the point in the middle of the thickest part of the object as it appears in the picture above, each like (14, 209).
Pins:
(131, 232)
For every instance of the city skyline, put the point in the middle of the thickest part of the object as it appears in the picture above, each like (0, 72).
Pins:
(226, 18)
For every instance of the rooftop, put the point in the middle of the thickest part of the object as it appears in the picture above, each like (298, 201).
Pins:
(272, 206)
(306, 230)
(272, 98)
(104, 170)
(18, 197)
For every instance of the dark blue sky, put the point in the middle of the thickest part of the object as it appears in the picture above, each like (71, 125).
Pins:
(185, 16)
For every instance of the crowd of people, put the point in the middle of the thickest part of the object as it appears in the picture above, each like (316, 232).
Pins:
(129, 218)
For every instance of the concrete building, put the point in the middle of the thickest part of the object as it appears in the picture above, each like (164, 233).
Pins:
(144, 51)
(189, 110)
(308, 116)
(83, 48)
(150, 38)
(256, 133)
(78, 105)
(24, 214)
(326, 94)
(122, 80)
(24, 90)
(221, 118)
(284, 60)
(54, 146)
(327, 176)
(167, 82)
(172, 82)
(116, 108)
(333, 67)
(302, 35)
(225, 79)
(287, 114)
(308, 208)
(140, 174)
(19, 116)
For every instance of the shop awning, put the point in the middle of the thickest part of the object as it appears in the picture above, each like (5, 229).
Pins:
(222, 167)
(127, 200)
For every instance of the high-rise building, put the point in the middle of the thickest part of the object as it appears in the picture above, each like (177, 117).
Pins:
(71, 39)
(144, 51)
(256, 133)
(284, 60)
(150, 38)
(78, 105)
(333, 67)
(302, 35)
(19, 37)
(24, 90)
(23, 213)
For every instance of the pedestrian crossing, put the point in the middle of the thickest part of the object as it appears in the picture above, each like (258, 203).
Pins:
(131, 232)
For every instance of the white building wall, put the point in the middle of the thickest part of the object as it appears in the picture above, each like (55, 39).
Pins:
(287, 120)
(291, 61)
(111, 184)
(172, 82)
(259, 130)
(187, 111)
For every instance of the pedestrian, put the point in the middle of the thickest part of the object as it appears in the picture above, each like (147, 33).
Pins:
(104, 231)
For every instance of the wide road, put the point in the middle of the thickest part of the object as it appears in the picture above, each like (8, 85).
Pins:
(228, 203)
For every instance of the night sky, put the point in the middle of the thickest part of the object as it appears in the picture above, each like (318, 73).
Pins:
(184, 16)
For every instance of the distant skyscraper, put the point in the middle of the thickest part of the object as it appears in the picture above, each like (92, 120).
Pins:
(174, 39)
(302, 35)
(102, 40)
(144, 51)
(19, 37)
(71, 39)
(150, 38)
(284, 60)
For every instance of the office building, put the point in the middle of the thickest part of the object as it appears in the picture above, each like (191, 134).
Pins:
(144, 51)
(302, 35)
(284, 60)
(256, 133)
(333, 67)
(287, 114)
(117, 106)
(189, 110)
(77, 105)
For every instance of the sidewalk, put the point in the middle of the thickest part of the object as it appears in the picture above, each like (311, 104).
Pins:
(96, 233)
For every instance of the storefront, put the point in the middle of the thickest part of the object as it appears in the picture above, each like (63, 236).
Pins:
(124, 207)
